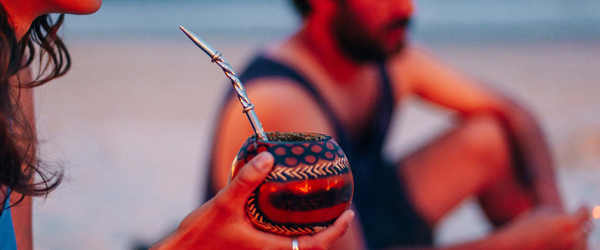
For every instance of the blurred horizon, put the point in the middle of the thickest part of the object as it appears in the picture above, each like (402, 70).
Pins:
(436, 21)
(132, 119)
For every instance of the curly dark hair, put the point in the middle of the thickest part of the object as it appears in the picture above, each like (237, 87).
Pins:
(19, 164)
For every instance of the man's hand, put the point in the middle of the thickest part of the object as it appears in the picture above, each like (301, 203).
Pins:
(221, 223)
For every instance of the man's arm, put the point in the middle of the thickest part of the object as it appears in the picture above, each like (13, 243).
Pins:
(420, 74)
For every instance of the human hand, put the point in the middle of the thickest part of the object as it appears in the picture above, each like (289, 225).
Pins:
(544, 229)
(221, 223)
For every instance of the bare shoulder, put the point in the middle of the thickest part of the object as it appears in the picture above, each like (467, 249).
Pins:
(418, 69)
(410, 54)
(409, 68)
(282, 104)
(413, 62)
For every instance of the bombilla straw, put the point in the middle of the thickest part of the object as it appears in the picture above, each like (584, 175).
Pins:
(217, 58)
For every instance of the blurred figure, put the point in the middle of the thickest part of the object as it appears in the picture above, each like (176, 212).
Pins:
(26, 28)
(344, 72)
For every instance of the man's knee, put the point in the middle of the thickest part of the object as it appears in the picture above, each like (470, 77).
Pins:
(487, 138)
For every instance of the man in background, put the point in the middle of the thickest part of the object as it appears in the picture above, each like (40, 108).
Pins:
(344, 73)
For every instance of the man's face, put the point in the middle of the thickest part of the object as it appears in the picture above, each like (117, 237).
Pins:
(371, 30)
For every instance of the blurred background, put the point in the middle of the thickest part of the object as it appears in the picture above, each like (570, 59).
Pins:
(131, 121)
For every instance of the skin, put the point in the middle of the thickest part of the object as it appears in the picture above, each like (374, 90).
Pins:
(22, 14)
(21, 213)
(232, 227)
(474, 158)
(220, 223)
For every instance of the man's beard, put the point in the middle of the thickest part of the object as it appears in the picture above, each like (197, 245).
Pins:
(353, 39)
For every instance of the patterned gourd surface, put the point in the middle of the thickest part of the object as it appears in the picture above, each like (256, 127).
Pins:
(309, 187)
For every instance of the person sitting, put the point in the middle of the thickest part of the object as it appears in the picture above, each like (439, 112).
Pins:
(345, 72)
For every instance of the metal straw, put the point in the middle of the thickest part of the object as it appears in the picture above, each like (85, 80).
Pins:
(217, 58)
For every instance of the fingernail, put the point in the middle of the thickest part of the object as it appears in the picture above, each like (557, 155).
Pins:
(351, 216)
(261, 161)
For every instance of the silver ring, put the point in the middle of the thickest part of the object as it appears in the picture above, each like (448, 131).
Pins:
(247, 109)
(216, 57)
(295, 243)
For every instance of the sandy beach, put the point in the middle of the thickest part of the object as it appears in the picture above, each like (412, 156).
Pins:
(131, 122)
(131, 128)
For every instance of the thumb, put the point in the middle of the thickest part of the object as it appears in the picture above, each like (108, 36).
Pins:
(250, 176)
